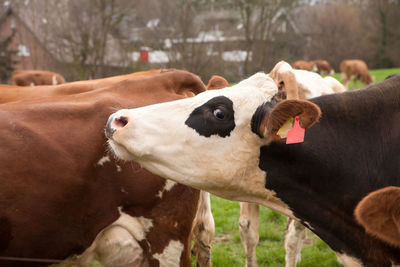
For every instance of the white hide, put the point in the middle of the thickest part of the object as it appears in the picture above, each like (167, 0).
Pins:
(117, 244)
(171, 255)
(156, 135)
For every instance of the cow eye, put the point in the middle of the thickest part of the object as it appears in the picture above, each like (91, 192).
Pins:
(219, 114)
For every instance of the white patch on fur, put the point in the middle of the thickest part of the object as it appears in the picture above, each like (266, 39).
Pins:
(117, 244)
(103, 160)
(176, 224)
(137, 226)
(171, 255)
(32, 84)
(54, 79)
(167, 187)
(348, 261)
(119, 169)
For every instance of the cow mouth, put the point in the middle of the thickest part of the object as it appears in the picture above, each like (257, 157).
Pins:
(120, 151)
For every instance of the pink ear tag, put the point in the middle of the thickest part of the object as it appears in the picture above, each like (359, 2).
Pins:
(296, 134)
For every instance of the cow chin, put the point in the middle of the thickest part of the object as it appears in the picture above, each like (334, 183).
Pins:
(120, 151)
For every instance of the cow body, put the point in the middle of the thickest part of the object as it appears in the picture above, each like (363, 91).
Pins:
(350, 152)
(62, 193)
(36, 77)
(9, 93)
(355, 69)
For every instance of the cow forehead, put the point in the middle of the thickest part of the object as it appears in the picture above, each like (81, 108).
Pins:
(257, 88)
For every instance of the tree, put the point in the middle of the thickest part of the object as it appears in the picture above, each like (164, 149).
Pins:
(6, 58)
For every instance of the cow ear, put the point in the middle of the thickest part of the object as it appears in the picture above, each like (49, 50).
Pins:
(308, 114)
(285, 79)
(379, 214)
(217, 82)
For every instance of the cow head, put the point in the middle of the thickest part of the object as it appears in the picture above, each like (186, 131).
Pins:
(211, 141)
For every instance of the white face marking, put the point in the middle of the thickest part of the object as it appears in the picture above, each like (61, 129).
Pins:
(168, 186)
(171, 255)
(161, 142)
(103, 160)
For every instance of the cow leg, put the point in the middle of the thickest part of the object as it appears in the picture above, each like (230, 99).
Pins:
(248, 228)
(294, 239)
(345, 80)
(203, 231)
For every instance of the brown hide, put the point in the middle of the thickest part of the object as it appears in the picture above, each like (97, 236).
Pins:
(355, 69)
(303, 65)
(36, 77)
(55, 196)
(14, 93)
(379, 214)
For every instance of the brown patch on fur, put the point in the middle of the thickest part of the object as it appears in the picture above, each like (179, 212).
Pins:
(217, 82)
(308, 112)
(379, 214)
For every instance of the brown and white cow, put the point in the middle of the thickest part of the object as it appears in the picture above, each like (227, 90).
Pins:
(36, 77)
(229, 139)
(319, 66)
(11, 93)
(355, 69)
(62, 193)
(304, 65)
(323, 67)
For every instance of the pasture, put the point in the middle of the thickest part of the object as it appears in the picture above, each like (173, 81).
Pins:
(380, 75)
(227, 247)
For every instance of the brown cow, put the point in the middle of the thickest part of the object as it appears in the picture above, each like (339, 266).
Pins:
(10, 93)
(63, 194)
(323, 67)
(36, 77)
(355, 69)
(379, 214)
(304, 65)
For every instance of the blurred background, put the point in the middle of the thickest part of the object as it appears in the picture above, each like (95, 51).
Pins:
(233, 38)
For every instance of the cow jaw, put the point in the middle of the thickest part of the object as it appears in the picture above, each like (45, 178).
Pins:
(187, 148)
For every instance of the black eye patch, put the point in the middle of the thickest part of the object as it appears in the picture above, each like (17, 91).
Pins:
(216, 116)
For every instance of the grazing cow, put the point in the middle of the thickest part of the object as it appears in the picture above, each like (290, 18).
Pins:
(379, 214)
(355, 69)
(240, 133)
(66, 195)
(10, 93)
(304, 65)
(323, 67)
(36, 77)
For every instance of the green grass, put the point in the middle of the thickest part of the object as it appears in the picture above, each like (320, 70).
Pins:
(380, 75)
(227, 249)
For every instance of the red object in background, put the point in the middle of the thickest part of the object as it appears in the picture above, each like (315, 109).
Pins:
(144, 56)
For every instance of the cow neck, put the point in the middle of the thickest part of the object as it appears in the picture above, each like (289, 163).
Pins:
(349, 153)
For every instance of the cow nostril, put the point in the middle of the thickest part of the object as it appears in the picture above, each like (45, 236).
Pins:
(121, 121)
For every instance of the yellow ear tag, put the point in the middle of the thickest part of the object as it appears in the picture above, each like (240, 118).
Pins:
(282, 132)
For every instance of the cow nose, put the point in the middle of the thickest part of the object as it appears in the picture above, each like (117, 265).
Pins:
(114, 123)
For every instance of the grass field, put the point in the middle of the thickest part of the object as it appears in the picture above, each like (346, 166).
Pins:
(227, 248)
(380, 75)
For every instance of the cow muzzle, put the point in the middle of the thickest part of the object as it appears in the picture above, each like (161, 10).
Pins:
(115, 122)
